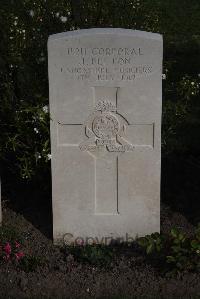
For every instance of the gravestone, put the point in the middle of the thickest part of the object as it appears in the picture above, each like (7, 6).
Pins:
(105, 104)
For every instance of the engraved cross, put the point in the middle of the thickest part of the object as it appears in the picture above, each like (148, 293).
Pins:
(108, 135)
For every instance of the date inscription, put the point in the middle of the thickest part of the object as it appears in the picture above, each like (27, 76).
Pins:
(105, 64)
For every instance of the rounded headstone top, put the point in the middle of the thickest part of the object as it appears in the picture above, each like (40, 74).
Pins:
(112, 31)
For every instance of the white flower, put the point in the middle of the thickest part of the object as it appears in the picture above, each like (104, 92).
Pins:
(63, 19)
(192, 92)
(45, 109)
(57, 14)
(31, 13)
(38, 156)
(192, 83)
(15, 23)
(36, 130)
(163, 76)
(49, 156)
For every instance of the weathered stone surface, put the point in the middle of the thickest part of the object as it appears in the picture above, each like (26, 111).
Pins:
(105, 104)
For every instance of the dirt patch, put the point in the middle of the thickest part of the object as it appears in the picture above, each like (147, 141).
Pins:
(63, 276)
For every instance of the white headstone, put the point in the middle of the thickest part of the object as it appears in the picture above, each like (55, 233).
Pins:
(105, 105)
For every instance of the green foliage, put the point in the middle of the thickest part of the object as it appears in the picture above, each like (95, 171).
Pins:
(181, 94)
(29, 146)
(97, 255)
(175, 252)
(25, 26)
(151, 243)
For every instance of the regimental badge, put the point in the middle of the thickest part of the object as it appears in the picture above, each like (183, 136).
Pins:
(105, 129)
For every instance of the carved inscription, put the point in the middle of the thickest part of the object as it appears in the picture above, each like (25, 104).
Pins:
(106, 64)
(105, 126)
(106, 129)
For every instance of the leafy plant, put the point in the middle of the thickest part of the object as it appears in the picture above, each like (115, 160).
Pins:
(98, 255)
(175, 251)
(151, 243)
